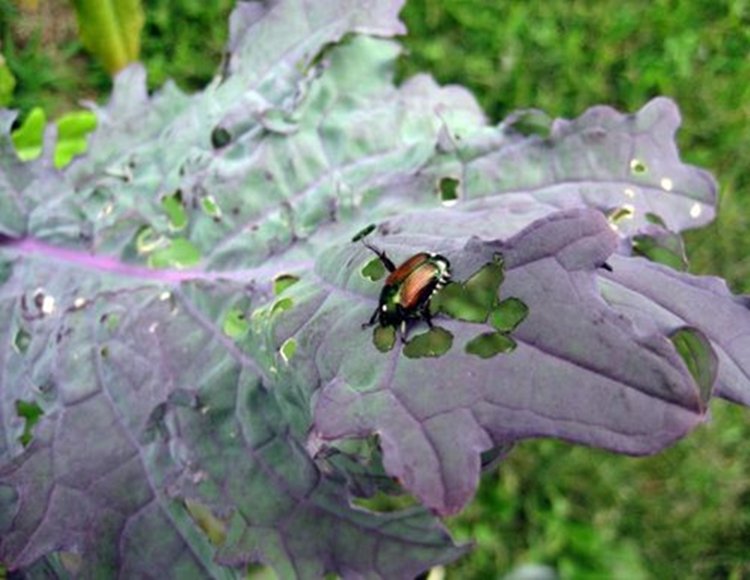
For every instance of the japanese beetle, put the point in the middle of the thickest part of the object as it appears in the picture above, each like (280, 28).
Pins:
(407, 290)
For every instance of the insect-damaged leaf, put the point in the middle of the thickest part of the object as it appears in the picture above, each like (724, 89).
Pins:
(623, 391)
(189, 413)
(154, 381)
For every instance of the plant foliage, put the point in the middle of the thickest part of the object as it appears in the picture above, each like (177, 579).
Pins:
(186, 386)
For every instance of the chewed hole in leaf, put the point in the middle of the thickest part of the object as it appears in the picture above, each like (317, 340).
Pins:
(433, 343)
(667, 249)
(384, 503)
(214, 527)
(28, 137)
(155, 426)
(652, 218)
(110, 320)
(531, 122)
(72, 133)
(40, 304)
(699, 357)
(638, 167)
(147, 240)
(509, 314)
(473, 300)
(8, 497)
(72, 563)
(484, 285)
(220, 137)
(384, 337)
(373, 270)
(175, 210)
(47, 304)
(180, 253)
(21, 341)
(490, 344)
(281, 305)
(211, 207)
(363, 232)
(235, 324)
(448, 189)
(6, 270)
(31, 412)
(492, 457)
(624, 212)
(666, 184)
(288, 348)
(696, 210)
(284, 281)
(278, 121)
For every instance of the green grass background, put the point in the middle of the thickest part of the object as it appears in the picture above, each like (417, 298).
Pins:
(682, 514)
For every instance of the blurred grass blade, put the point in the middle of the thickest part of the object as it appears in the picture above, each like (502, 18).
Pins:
(111, 30)
(7, 83)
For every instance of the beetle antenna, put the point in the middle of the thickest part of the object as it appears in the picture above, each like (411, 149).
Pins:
(389, 265)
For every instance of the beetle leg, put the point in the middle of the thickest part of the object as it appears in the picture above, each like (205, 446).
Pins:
(372, 320)
(389, 265)
(427, 316)
(403, 331)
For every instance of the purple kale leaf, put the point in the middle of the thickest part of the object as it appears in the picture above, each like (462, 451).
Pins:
(184, 307)
(580, 371)
(122, 275)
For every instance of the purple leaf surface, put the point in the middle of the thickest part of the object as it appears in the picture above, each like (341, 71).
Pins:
(184, 305)
(581, 371)
(657, 296)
